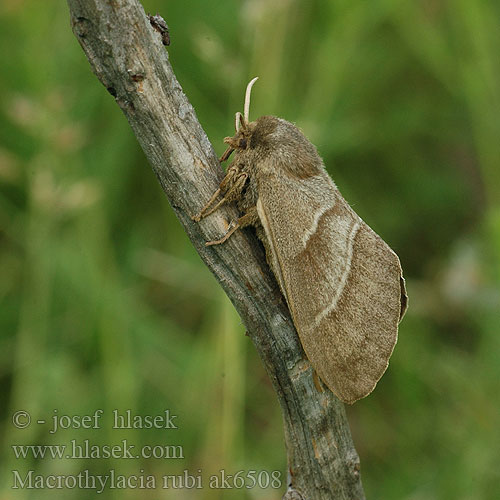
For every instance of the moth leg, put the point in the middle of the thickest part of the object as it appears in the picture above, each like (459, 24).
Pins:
(225, 184)
(233, 184)
(236, 186)
(232, 194)
(226, 154)
(234, 191)
(202, 213)
(249, 219)
(232, 228)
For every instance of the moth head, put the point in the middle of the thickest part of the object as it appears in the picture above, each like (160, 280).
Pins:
(242, 125)
(272, 137)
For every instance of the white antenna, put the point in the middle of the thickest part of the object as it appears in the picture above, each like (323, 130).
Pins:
(247, 99)
(238, 121)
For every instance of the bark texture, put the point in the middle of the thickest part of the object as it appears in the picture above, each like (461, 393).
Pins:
(127, 55)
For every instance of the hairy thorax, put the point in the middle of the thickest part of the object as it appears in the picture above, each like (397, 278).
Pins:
(271, 146)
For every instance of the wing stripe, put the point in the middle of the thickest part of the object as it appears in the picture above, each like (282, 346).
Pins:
(343, 280)
(314, 226)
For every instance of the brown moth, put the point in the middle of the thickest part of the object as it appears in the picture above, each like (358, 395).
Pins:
(342, 282)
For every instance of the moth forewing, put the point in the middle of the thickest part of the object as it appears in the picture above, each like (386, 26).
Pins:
(341, 281)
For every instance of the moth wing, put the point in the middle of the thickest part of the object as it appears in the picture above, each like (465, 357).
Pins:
(342, 282)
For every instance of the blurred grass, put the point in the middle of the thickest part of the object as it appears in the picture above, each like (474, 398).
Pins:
(104, 304)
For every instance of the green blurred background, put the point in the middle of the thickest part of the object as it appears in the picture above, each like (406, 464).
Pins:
(105, 304)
